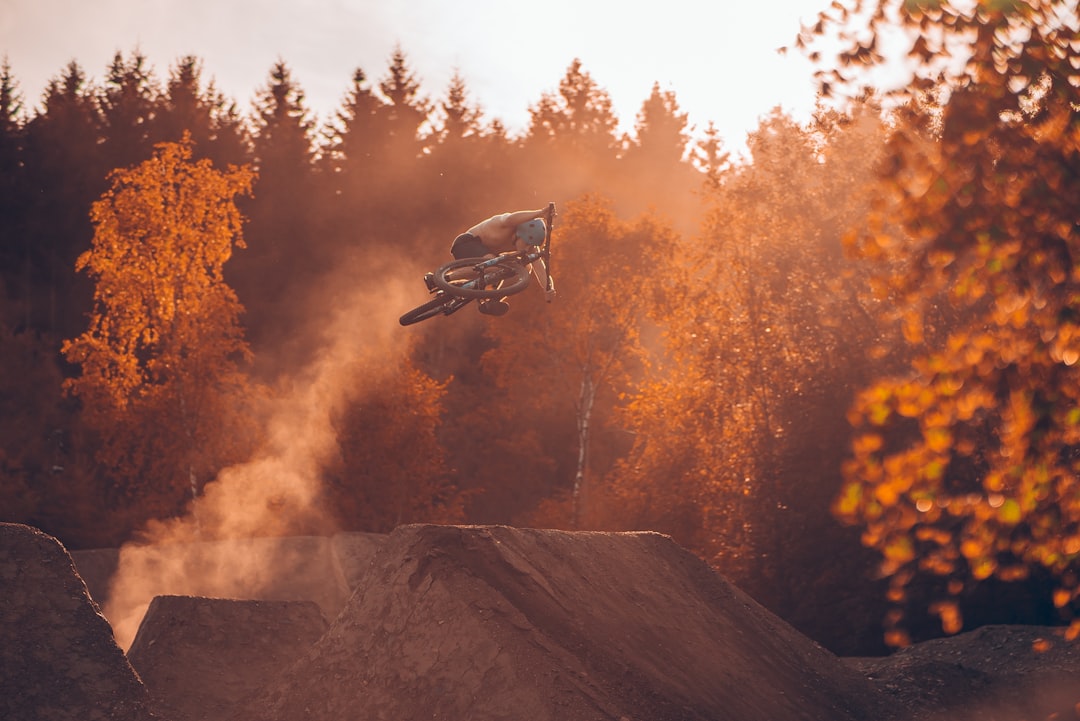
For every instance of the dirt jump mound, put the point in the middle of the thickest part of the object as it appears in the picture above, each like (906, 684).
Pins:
(58, 659)
(492, 622)
(201, 657)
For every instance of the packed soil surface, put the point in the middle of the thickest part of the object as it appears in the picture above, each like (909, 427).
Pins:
(495, 622)
(199, 657)
(994, 673)
(491, 622)
(58, 660)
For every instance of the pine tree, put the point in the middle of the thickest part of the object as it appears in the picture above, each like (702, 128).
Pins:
(661, 129)
(406, 110)
(13, 201)
(212, 122)
(658, 151)
(281, 255)
(128, 102)
(571, 134)
(65, 171)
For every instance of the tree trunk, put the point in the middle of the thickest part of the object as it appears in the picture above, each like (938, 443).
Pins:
(586, 399)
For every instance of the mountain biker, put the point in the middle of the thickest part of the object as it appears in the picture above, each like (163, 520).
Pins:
(501, 233)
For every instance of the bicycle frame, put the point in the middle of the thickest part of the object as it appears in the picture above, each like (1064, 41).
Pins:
(450, 296)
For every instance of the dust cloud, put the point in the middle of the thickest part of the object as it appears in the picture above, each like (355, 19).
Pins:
(223, 546)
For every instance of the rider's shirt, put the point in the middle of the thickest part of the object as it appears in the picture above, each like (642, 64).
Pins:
(495, 233)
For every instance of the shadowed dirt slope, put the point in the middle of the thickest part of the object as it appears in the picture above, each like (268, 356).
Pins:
(58, 659)
(501, 623)
(200, 657)
(994, 673)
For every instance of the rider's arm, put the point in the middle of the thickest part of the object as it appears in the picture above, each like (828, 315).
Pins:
(539, 270)
(516, 218)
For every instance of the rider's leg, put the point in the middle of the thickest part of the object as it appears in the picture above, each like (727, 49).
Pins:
(494, 307)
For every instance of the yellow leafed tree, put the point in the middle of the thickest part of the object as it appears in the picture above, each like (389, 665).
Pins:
(161, 361)
(760, 334)
(967, 466)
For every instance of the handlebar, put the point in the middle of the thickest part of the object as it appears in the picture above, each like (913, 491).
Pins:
(547, 245)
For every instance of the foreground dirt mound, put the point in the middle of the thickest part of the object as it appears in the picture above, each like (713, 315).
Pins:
(492, 622)
(995, 673)
(200, 657)
(58, 659)
(501, 623)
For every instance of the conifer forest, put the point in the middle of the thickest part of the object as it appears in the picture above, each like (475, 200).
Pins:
(843, 368)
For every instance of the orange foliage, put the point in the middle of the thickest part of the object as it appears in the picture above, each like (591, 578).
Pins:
(755, 314)
(576, 354)
(164, 346)
(391, 468)
(982, 435)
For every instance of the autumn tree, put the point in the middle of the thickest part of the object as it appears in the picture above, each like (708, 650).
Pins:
(966, 465)
(734, 417)
(392, 468)
(559, 368)
(161, 363)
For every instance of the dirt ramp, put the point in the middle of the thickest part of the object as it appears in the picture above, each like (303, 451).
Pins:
(298, 568)
(502, 623)
(200, 657)
(58, 659)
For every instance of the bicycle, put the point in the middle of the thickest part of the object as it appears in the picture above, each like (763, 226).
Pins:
(459, 282)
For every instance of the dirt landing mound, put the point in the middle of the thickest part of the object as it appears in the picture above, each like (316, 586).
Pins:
(58, 659)
(200, 657)
(501, 623)
(994, 673)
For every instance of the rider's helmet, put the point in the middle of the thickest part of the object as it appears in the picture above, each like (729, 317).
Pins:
(532, 232)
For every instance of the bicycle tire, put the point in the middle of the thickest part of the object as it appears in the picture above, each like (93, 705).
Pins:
(452, 277)
(435, 306)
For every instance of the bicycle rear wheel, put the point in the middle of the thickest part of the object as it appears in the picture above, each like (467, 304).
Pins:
(441, 304)
(463, 279)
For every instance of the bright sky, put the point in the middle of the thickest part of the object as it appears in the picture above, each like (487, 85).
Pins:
(719, 57)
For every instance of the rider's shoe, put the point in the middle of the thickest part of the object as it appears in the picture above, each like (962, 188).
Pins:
(494, 307)
(429, 281)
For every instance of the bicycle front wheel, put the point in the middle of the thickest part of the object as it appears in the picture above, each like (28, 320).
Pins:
(468, 278)
(439, 305)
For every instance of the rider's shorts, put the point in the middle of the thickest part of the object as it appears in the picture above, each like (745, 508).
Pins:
(467, 245)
